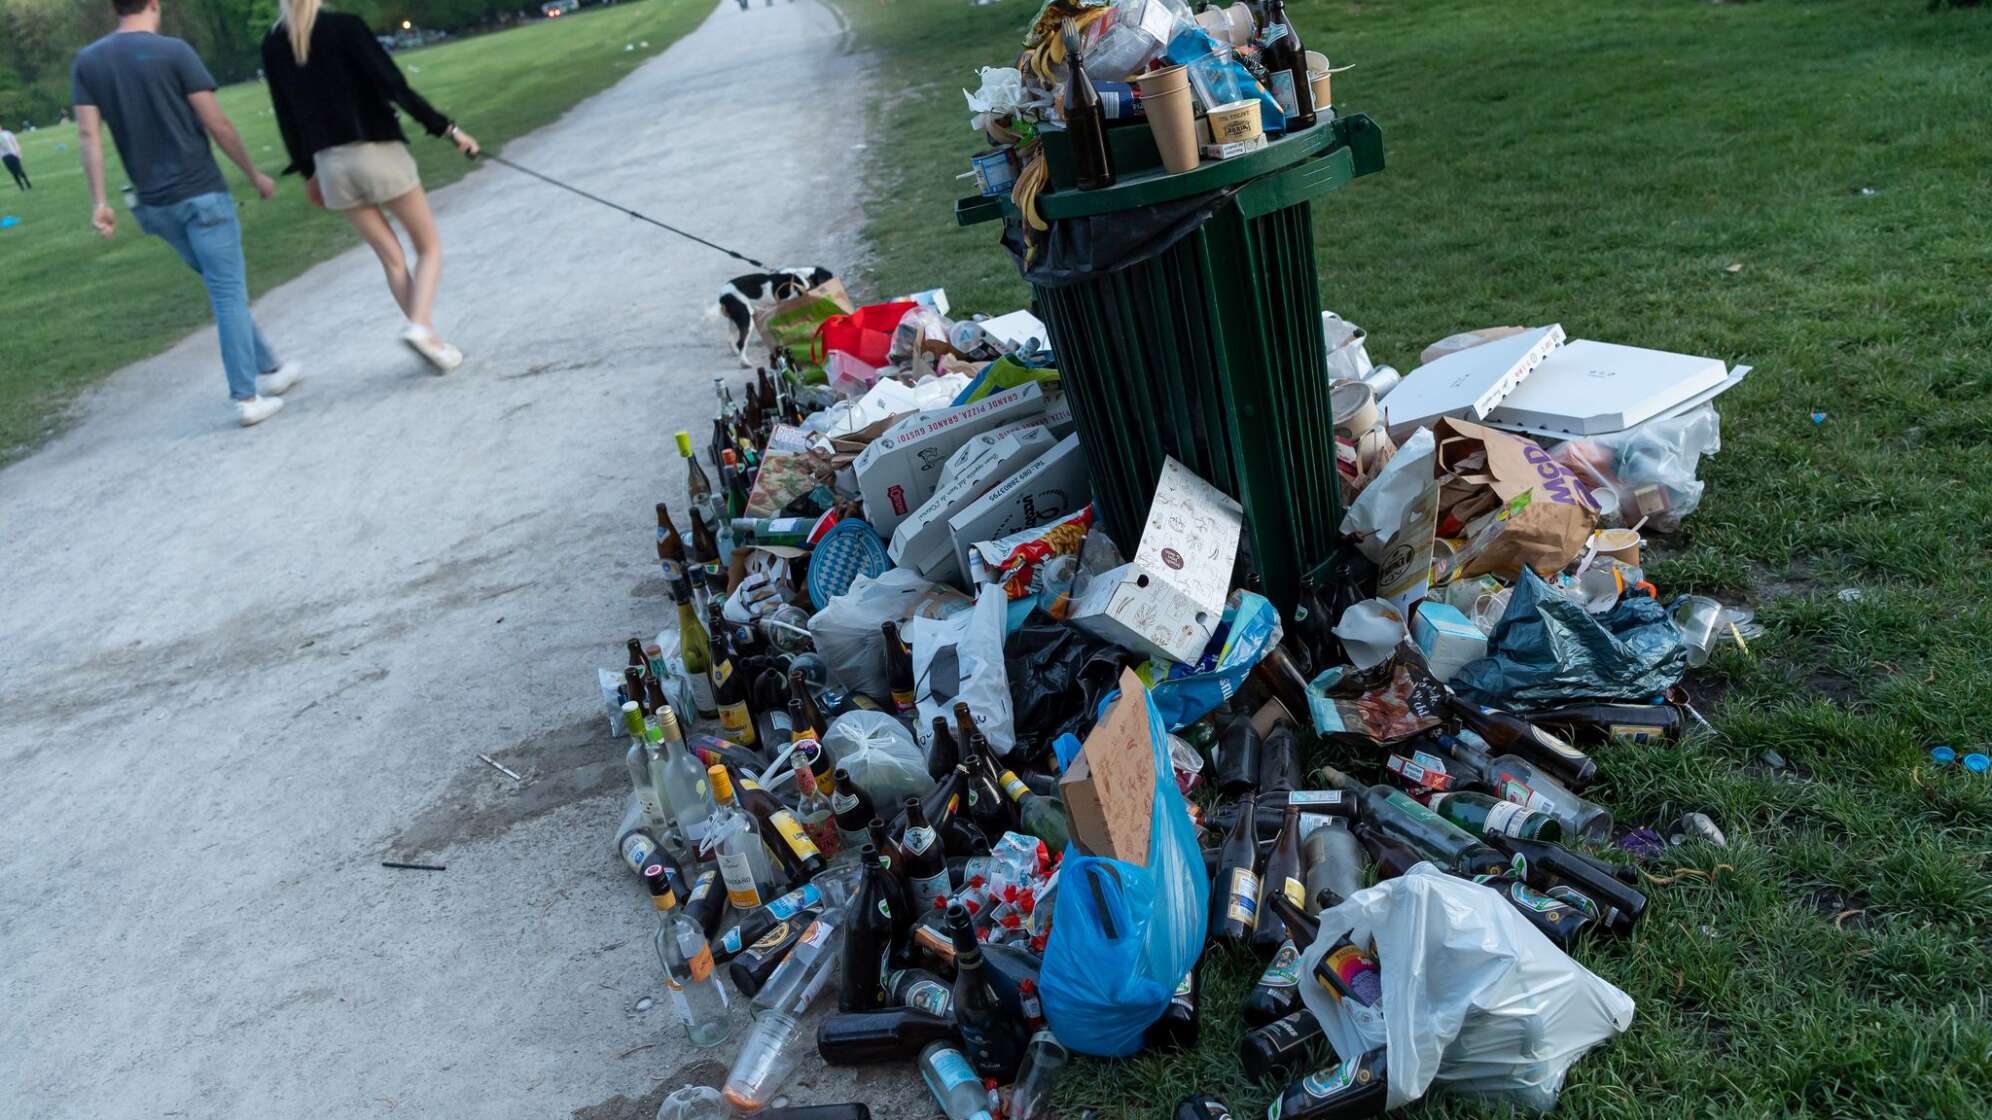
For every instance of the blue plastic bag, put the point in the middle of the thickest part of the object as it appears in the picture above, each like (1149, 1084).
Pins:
(1122, 935)
(1185, 694)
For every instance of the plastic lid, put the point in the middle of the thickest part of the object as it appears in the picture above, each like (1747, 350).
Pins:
(1977, 763)
(1942, 756)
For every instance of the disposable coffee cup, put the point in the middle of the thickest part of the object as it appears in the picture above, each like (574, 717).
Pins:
(1165, 101)
(1354, 406)
(1621, 545)
(1235, 121)
(1318, 82)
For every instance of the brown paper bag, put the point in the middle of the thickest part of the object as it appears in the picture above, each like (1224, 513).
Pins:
(1486, 469)
(792, 322)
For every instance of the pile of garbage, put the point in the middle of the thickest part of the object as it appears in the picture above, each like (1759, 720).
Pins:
(928, 770)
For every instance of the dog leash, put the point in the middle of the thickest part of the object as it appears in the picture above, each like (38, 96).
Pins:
(624, 209)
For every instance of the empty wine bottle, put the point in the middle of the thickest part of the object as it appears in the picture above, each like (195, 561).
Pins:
(687, 961)
(1509, 732)
(753, 966)
(1350, 1090)
(920, 990)
(1240, 752)
(867, 938)
(1335, 862)
(1086, 127)
(1283, 1047)
(893, 1035)
(1513, 778)
(1492, 816)
(1234, 897)
(1180, 1022)
(993, 1039)
(1041, 816)
(953, 1081)
(1282, 875)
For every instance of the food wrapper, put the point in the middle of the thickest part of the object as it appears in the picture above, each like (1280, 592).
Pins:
(1397, 700)
(794, 463)
(1039, 562)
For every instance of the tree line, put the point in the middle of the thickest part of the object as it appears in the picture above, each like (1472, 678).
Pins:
(39, 37)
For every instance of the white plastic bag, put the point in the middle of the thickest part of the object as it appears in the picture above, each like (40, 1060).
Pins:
(1649, 468)
(847, 631)
(1475, 1000)
(961, 659)
(880, 755)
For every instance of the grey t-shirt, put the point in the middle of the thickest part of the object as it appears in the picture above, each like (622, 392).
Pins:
(139, 82)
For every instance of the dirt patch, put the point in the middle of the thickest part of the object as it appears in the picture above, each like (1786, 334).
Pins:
(1844, 909)
(656, 587)
(560, 767)
(703, 1071)
(1842, 690)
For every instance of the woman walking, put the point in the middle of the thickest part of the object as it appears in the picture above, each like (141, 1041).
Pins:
(334, 90)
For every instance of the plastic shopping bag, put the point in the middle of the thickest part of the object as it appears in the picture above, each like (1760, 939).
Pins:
(1185, 694)
(879, 754)
(846, 631)
(1123, 935)
(960, 660)
(1475, 1000)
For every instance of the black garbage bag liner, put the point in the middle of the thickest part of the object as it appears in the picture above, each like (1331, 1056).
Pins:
(1547, 650)
(1079, 249)
(1057, 678)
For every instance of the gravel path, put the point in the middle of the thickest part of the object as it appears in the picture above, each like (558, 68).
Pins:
(239, 669)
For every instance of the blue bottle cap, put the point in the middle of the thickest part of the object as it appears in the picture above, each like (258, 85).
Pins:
(1942, 756)
(1977, 763)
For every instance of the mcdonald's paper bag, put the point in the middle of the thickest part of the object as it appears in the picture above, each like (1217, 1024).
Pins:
(1546, 513)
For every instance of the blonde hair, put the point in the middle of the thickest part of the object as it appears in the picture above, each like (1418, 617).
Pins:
(298, 18)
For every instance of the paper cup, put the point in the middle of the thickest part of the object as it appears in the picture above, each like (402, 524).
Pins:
(1238, 120)
(1354, 406)
(1621, 545)
(1174, 123)
(1318, 83)
(1166, 79)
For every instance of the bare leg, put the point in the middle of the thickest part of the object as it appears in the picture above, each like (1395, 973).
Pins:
(412, 211)
(379, 236)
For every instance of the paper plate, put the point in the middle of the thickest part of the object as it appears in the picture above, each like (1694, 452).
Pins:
(849, 550)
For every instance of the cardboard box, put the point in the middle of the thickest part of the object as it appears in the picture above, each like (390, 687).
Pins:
(922, 541)
(1168, 601)
(1049, 487)
(1448, 638)
(901, 468)
(1058, 415)
(1109, 790)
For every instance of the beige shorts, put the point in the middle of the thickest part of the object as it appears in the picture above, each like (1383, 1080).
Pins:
(365, 174)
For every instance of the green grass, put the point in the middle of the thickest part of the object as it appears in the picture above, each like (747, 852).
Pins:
(74, 308)
(1600, 164)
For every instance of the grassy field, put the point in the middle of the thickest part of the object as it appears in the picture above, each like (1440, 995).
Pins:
(1607, 164)
(73, 307)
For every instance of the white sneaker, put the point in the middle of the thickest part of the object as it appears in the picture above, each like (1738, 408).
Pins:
(255, 410)
(273, 383)
(423, 341)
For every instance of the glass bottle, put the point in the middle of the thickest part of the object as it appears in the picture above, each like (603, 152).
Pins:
(1516, 779)
(868, 937)
(695, 648)
(1285, 61)
(926, 868)
(992, 1038)
(1398, 814)
(1041, 816)
(1351, 1090)
(688, 966)
(1282, 1047)
(791, 845)
(1086, 127)
(1282, 875)
(898, 670)
(1334, 862)
(670, 547)
(942, 755)
(641, 779)
(920, 990)
(952, 1080)
(891, 1034)
(698, 487)
(735, 838)
(1509, 732)
(813, 810)
(1181, 1022)
(1493, 816)
(851, 807)
(1234, 897)
(1044, 1059)
(680, 780)
(729, 684)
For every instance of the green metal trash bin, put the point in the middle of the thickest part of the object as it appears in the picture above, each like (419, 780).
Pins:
(1210, 351)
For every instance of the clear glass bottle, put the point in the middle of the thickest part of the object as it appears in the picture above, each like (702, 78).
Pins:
(1514, 778)
(952, 1080)
(679, 779)
(688, 968)
(734, 837)
(640, 774)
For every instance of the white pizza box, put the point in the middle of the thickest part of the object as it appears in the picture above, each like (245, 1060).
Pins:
(1048, 487)
(922, 541)
(1058, 415)
(1168, 601)
(901, 468)
(1016, 328)
(1467, 384)
(1587, 388)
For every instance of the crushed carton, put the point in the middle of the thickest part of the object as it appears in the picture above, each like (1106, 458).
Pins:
(1168, 602)
(1109, 789)
(922, 541)
(1049, 487)
(1447, 637)
(901, 468)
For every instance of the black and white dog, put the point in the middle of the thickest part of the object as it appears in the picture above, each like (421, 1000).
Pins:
(743, 294)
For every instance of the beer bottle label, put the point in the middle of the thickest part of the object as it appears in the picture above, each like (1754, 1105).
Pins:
(721, 672)
(929, 996)
(1323, 1084)
(1184, 987)
(794, 902)
(1283, 92)
(1284, 972)
(1505, 818)
(1536, 901)
(737, 723)
(769, 940)
(925, 891)
(1014, 786)
(1574, 899)
(1243, 905)
(1295, 892)
(1521, 794)
(948, 1070)
(1311, 799)
(1637, 733)
(636, 849)
(904, 701)
(917, 840)
(673, 571)
(841, 802)
(793, 835)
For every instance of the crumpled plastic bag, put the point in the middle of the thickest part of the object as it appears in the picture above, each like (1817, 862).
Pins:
(1370, 632)
(960, 660)
(879, 754)
(847, 633)
(1475, 1000)
(1548, 650)
(1057, 677)
(1185, 694)
(1648, 469)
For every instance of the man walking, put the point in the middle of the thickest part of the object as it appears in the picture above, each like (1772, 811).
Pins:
(10, 154)
(159, 101)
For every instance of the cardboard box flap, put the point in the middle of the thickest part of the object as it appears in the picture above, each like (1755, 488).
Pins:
(1191, 538)
(1109, 790)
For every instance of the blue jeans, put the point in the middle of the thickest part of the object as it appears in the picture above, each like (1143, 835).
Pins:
(203, 230)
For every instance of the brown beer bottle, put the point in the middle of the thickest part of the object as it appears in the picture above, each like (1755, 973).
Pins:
(1509, 732)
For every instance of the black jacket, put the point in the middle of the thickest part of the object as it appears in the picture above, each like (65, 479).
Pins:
(346, 94)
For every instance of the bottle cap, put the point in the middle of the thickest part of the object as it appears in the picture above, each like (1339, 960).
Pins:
(1977, 763)
(685, 444)
(722, 782)
(1942, 756)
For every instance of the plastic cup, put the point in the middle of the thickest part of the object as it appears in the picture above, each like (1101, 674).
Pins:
(1165, 99)
(1235, 121)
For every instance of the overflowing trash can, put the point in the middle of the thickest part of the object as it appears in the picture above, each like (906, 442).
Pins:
(1184, 312)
